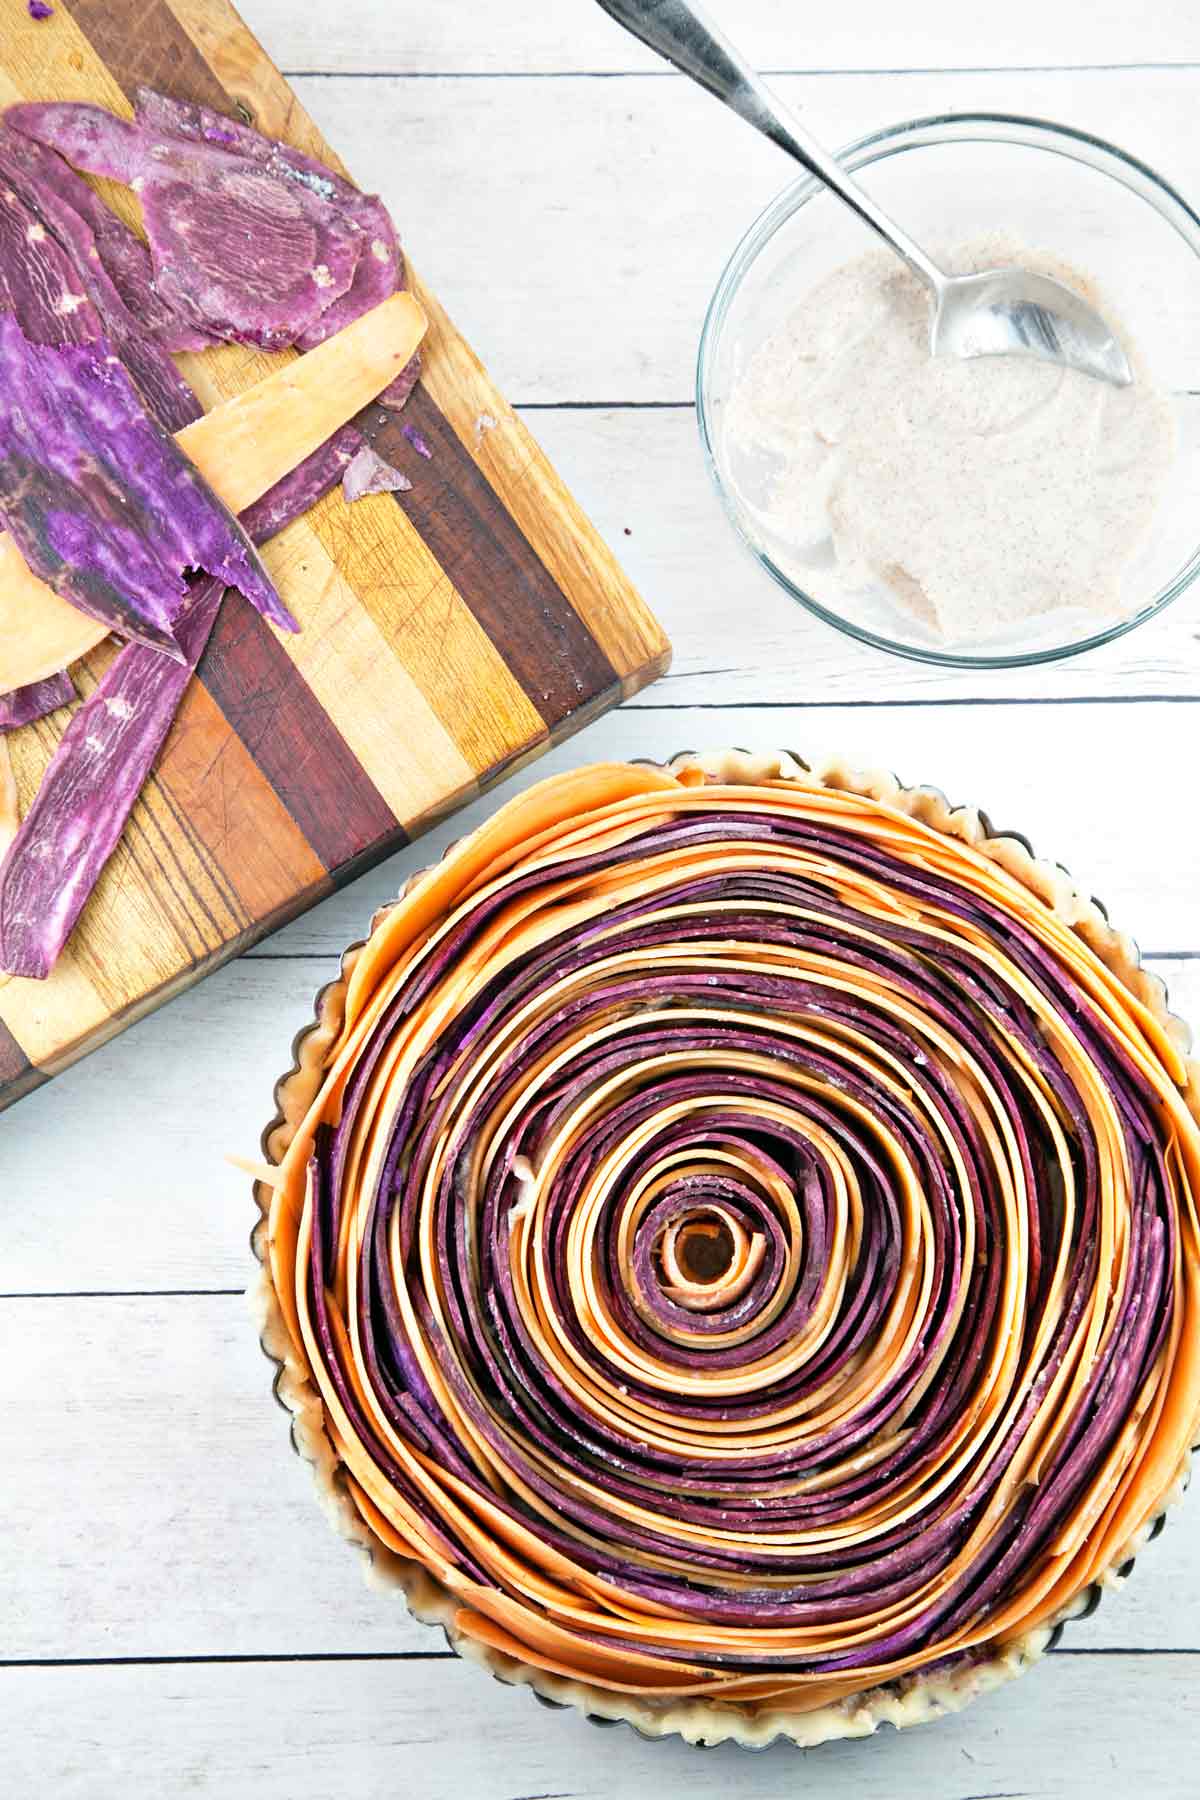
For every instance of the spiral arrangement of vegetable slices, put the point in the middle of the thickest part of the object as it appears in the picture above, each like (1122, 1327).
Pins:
(745, 1241)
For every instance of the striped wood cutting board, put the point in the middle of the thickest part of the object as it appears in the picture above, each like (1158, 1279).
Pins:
(447, 633)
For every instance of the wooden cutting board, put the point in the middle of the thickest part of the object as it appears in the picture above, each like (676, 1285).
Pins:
(447, 634)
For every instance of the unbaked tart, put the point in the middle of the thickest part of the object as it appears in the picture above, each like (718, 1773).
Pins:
(732, 1248)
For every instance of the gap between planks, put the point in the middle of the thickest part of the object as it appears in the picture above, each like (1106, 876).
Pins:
(1096, 68)
(907, 705)
(407, 1656)
(168, 1293)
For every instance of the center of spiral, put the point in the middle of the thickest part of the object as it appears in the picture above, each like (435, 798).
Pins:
(704, 1258)
(704, 1248)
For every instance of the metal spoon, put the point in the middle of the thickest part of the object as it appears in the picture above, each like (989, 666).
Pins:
(1003, 312)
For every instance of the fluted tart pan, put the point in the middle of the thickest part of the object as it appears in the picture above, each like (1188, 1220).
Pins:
(731, 1252)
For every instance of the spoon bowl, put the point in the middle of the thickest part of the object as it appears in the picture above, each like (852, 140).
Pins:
(1012, 312)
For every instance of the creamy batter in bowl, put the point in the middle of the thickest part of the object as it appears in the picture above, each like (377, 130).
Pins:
(1063, 197)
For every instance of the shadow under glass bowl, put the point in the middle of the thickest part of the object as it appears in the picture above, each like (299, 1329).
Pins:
(951, 178)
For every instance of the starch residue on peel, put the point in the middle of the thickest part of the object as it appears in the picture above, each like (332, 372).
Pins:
(978, 494)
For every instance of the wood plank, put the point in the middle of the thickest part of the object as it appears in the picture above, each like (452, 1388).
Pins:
(291, 739)
(179, 1405)
(482, 550)
(363, 575)
(16, 1070)
(542, 36)
(607, 252)
(219, 1545)
(441, 1730)
(341, 647)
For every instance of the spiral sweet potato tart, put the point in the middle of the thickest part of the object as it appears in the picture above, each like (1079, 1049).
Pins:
(733, 1251)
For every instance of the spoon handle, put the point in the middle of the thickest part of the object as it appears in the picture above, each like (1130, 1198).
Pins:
(682, 35)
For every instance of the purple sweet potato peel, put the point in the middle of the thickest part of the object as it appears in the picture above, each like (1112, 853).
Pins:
(73, 210)
(379, 271)
(367, 473)
(102, 503)
(86, 795)
(250, 239)
(39, 283)
(237, 250)
(58, 285)
(23, 705)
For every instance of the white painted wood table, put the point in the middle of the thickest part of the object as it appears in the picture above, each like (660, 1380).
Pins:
(175, 1615)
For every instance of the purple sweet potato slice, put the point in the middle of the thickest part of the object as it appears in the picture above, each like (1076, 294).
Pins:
(165, 115)
(368, 473)
(26, 704)
(127, 262)
(39, 182)
(109, 748)
(162, 116)
(101, 502)
(238, 252)
(123, 257)
(379, 271)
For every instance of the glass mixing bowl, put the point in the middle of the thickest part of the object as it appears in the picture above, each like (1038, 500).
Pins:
(950, 179)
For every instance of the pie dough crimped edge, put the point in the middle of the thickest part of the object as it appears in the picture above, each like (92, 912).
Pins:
(911, 1700)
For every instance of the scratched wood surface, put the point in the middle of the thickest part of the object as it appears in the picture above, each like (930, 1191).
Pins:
(447, 633)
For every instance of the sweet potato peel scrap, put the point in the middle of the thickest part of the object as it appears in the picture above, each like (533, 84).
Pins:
(745, 1242)
(107, 254)
(101, 502)
(368, 473)
(250, 239)
(36, 701)
(236, 249)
